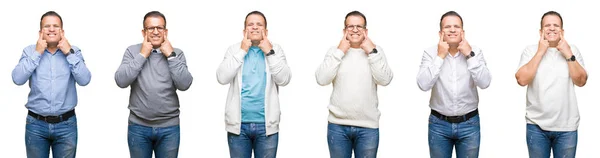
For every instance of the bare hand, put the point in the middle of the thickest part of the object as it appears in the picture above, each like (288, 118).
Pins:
(166, 47)
(464, 46)
(246, 42)
(564, 47)
(367, 45)
(443, 46)
(543, 43)
(41, 44)
(345, 43)
(63, 44)
(146, 47)
(265, 44)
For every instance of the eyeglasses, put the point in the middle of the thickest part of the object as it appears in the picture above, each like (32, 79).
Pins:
(151, 29)
(351, 27)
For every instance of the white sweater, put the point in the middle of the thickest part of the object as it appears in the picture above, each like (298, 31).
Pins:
(230, 72)
(355, 77)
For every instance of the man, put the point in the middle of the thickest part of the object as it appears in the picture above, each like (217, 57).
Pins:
(453, 70)
(155, 71)
(549, 70)
(355, 67)
(254, 70)
(52, 66)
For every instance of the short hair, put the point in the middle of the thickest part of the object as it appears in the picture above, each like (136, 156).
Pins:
(51, 13)
(257, 13)
(451, 13)
(355, 13)
(551, 13)
(154, 14)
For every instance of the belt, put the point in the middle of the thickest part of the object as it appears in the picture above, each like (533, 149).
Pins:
(53, 119)
(455, 119)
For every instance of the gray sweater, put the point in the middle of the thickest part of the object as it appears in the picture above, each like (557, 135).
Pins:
(154, 80)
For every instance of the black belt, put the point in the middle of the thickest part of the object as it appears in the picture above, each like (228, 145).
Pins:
(53, 119)
(455, 119)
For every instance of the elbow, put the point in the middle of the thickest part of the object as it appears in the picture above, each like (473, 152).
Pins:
(185, 86)
(582, 81)
(122, 85)
(521, 81)
(423, 87)
(222, 79)
(84, 83)
(322, 82)
(18, 81)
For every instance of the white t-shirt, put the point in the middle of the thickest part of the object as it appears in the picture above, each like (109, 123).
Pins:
(551, 101)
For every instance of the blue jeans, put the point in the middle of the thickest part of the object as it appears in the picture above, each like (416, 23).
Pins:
(40, 136)
(443, 136)
(342, 139)
(539, 143)
(142, 140)
(252, 136)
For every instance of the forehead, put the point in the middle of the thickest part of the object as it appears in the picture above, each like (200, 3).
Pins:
(355, 20)
(51, 20)
(451, 20)
(154, 21)
(255, 18)
(551, 19)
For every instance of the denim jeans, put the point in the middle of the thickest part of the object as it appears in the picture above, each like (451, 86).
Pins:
(539, 143)
(443, 136)
(142, 140)
(40, 136)
(343, 139)
(253, 136)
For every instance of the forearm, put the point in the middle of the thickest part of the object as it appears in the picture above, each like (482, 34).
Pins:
(27, 64)
(380, 70)
(79, 70)
(129, 70)
(327, 71)
(181, 76)
(280, 71)
(230, 65)
(527, 72)
(577, 73)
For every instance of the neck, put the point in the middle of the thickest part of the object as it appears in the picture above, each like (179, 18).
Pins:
(453, 50)
(355, 45)
(553, 44)
(52, 48)
(255, 43)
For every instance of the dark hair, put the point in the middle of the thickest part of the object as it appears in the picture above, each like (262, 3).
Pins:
(51, 13)
(154, 14)
(551, 13)
(257, 13)
(355, 13)
(451, 13)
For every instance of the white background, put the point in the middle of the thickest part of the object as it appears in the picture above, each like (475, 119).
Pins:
(305, 30)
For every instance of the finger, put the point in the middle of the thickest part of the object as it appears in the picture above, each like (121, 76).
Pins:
(146, 38)
(41, 36)
(365, 34)
(246, 35)
(345, 36)
(442, 37)
(542, 36)
(264, 35)
(165, 36)
(62, 34)
(562, 36)
(462, 36)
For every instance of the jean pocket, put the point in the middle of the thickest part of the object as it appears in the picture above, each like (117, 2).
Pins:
(29, 120)
(474, 121)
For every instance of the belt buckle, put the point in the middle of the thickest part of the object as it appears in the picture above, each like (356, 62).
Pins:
(52, 119)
